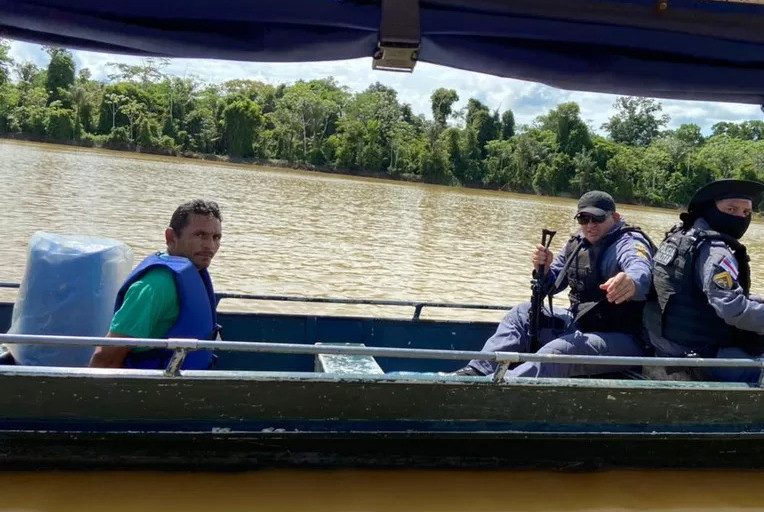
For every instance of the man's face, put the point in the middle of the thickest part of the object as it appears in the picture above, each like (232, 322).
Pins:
(736, 207)
(594, 227)
(199, 241)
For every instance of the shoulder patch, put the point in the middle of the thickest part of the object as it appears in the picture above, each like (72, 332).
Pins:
(723, 280)
(730, 265)
(641, 250)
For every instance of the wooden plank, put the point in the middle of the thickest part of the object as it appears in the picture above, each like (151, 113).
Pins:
(574, 405)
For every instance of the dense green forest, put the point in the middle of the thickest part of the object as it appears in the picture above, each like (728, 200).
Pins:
(321, 124)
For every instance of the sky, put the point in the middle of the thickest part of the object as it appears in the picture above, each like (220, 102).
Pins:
(526, 99)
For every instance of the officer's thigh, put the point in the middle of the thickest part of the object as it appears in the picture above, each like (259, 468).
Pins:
(750, 375)
(593, 344)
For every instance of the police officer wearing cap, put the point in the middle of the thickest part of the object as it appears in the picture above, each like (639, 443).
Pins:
(608, 267)
(702, 282)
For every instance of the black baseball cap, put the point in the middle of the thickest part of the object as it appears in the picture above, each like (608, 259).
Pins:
(596, 202)
(726, 189)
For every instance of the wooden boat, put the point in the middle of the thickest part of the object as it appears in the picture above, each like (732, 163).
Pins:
(268, 403)
(290, 391)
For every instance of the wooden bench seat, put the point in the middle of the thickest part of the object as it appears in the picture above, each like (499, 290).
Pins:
(347, 364)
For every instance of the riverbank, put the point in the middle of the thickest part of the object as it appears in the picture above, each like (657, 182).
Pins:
(261, 162)
(212, 157)
(283, 164)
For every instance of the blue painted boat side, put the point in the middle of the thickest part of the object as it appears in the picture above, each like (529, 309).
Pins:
(311, 329)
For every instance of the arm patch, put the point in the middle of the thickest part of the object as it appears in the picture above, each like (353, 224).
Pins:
(642, 250)
(723, 279)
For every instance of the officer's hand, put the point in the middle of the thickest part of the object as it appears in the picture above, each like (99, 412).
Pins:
(542, 256)
(619, 288)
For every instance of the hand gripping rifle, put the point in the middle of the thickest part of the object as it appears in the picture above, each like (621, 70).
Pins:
(537, 293)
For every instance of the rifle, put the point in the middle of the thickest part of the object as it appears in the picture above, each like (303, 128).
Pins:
(538, 292)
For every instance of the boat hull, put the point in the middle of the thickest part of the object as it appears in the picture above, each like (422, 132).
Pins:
(216, 452)
(262, 419)
(268, 410)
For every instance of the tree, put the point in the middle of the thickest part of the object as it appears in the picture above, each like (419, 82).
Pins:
(507, 124)
(241, 118)
(375, 110)
(114, 101)
(723, 156)
(748, 130)
(622, 170)
(571, 132)
(726, 128)
(497, 162)
(60, 75)
(134, 111)
(690, 134)
(6, 62)
(485, 125)
(535, 150)
(29, 113)
(83, 95)
(261, 93)
(30, 76)
(442, 101)
(307, 112)
(7, 91)
(149, 71)
(587, 176)
(752, 130)
(60, 124)
(404, 149)
(29, 116)
(202, 121)
(636, 121)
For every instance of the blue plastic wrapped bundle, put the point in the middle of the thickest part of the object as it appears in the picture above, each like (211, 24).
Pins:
(68, 289)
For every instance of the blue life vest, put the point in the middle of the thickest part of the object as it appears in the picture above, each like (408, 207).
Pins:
(196, 318)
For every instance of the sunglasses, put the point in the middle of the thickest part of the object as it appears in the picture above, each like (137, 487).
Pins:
(585, 218)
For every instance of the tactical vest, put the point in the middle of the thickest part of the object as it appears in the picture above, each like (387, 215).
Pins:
(590, 307)
(687, 318)
(196, 317)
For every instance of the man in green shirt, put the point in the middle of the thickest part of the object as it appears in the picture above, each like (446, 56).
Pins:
(149, 305)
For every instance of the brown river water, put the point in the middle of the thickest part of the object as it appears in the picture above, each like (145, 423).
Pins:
(300, 233)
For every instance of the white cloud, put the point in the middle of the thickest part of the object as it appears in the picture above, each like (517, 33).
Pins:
(526, 99)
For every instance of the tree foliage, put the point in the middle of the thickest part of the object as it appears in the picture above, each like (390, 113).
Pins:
(442, 101)
(6, 62)
(321, 123)
(241, 118)
(637, 121)
(60, 75)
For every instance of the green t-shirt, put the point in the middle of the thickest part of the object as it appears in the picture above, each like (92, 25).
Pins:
(150, 307)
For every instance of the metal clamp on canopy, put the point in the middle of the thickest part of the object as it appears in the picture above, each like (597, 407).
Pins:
(399, 36)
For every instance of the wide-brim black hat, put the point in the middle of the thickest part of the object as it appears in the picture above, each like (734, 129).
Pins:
(727, 189)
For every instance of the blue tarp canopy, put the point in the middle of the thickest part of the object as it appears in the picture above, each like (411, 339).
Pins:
(704, 50)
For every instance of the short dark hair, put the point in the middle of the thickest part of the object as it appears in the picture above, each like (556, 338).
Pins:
(179, 219)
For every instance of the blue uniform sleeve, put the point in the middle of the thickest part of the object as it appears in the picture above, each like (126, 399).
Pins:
(717, 270)
(636, 260)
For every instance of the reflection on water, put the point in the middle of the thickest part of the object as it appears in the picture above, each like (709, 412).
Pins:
(383, 491)
(298, 233)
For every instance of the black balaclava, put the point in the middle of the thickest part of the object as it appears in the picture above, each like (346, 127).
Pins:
(731, 225)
